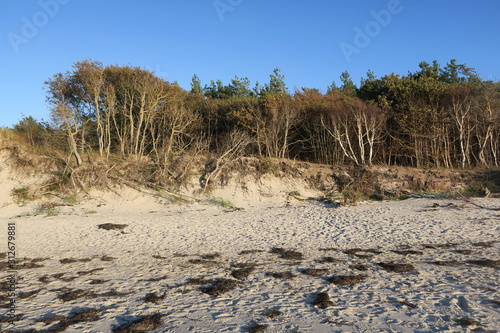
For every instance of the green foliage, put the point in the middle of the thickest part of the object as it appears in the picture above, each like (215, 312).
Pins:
(26, 214)
(296, 195)
(88, 212)
(21, 195)
(478, 189)
(48, 209)
(348, 87)
(71, 199)
(35, 133)
(219, 202)
(196, 85)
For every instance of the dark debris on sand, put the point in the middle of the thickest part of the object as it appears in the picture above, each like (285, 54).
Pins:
(407, 252)
(71, 295)
(408, 304)
(485, 263)
(112, 226)
(314, 271)
(242, 273)
(157, 256)
(362, 253)
(153, 298)
(75, 317)
(92, 271)
(98, 281)
(156, 279)
(197, 281)
(451, 263)
(272, 313)
(322, 301)
(346, 280)
(203, 262)
(210, 256)
(220, 286)
(329, 260)
(396, 267)
(60, 276)
(467, 322)
(28, 294)
(72, 260)
(256, 328)
(242, 253)
(143, 324)
(360, 267)
(287, 254)
(281, 275)
(484, 244)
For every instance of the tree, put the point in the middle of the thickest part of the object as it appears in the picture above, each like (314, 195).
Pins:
(356, 126)
(458, 73)
(276, 85)
(87, 80)
(196, 85)
(34, 131)
(348, 87)
(65, 111)
(460, 102)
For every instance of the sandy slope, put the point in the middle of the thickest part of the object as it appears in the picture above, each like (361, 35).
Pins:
(163, 247)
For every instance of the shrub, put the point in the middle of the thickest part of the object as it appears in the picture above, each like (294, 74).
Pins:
(220, 202)
(21, 195)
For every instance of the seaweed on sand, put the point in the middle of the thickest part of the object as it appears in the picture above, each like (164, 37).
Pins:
(220, 286)
(396, 267)
(143, 324)
(346, 280)
(322, 301)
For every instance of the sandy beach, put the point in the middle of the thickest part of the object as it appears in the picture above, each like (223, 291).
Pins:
(418, 265)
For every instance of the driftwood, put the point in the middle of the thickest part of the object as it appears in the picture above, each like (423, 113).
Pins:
(469, 201)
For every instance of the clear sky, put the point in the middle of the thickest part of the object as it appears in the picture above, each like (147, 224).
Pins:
(312, 42)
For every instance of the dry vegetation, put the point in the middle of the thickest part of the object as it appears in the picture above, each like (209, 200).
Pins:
(117, 126)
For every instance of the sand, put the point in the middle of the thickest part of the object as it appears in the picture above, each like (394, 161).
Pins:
(419, 265)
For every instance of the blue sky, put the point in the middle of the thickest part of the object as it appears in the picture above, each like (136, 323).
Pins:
(217, 39)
